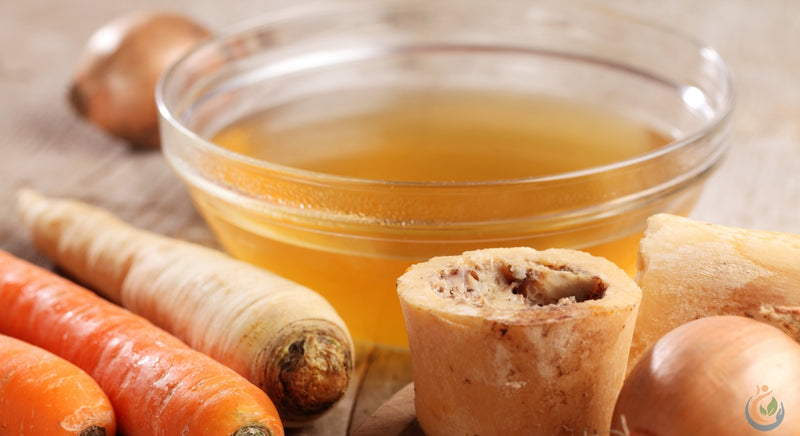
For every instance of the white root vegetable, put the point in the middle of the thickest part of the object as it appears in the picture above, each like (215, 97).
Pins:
(283, 337)
(690, 269)
(517, 341)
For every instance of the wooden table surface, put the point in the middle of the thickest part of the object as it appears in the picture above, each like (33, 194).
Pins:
(45, 146)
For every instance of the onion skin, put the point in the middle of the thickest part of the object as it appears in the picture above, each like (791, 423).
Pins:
(698, 378)
(115, 80)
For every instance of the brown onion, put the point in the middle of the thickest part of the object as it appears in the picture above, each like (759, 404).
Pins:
(115, 80)
(721, 375)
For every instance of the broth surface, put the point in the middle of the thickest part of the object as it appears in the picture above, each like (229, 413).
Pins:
(438, 136)
(413, 136)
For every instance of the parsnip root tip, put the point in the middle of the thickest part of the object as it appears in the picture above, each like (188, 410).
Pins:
(311, 373)
(26, 196)
(29, 202)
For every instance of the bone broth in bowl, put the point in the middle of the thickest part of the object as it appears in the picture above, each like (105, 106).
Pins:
(338, 143)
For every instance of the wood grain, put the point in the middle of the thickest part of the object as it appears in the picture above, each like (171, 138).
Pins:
(395, 417)
(45, 146)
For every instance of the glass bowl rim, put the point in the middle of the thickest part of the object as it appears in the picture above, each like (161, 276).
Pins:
(261, 22)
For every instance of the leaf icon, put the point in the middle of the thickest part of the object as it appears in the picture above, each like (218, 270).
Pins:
(762, 410)
(772, 407)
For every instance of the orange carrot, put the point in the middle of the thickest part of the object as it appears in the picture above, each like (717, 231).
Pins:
(156, 383)
(43, 394)
(283, 337)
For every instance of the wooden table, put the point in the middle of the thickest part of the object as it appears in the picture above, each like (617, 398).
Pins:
(45, 146)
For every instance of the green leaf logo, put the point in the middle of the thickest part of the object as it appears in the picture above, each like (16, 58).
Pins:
(764, 417)
(772, 407)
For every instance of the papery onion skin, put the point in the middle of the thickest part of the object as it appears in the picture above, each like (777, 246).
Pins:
(697, 380)
(115, 80)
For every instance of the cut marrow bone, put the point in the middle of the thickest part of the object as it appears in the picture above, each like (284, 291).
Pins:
(517, 341)
(689, 269)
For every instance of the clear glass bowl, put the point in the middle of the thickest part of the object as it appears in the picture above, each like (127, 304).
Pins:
(351, 237)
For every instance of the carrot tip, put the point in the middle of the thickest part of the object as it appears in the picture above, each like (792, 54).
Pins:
(93, 431)
(253, 430)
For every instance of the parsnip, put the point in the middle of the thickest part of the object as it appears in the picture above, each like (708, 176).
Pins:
(283, 337)
(517, 341)
(690, 269)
